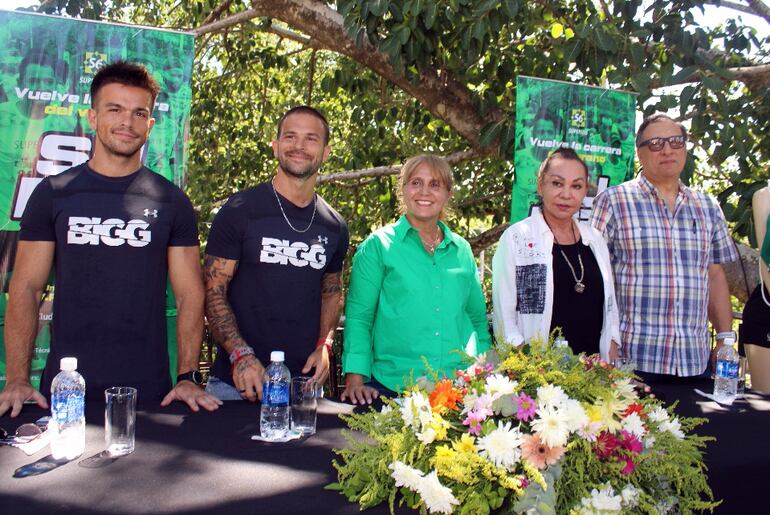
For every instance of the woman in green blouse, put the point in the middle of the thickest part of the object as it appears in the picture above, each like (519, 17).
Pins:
(414, 292)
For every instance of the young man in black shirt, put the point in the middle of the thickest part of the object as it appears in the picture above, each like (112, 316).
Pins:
(273, 267)
(113, 231)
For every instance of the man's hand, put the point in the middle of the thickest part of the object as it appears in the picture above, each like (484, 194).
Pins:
(190, 393)
(357, 391)
(15, 393)
(614, 352)
(248, 375)
(319, 360)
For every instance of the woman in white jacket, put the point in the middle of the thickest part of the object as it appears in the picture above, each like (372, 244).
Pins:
(552, 271)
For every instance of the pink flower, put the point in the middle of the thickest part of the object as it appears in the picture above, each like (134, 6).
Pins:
(631, 442)
(527, 407)
(606, 443)
(630, 466)
(474, 420)
(524, 482)
(538, 453)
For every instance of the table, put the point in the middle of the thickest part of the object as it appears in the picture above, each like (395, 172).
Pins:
(184, 463)
(206, 463)
(739, 459)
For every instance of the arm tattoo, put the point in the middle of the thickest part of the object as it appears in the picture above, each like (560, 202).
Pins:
(218, 310)
(331, 283)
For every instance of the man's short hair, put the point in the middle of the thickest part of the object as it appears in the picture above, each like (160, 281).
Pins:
(306, 110)
(127, 74)
(657, 117)
(41, 57)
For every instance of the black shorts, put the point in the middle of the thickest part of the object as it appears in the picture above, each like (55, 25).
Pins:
(755, 328)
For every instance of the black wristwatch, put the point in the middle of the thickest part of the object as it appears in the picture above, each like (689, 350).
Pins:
(193, 375)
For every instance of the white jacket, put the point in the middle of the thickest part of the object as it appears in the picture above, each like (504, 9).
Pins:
(526, 248)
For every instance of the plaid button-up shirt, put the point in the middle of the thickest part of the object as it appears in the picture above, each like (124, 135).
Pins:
(660, 260)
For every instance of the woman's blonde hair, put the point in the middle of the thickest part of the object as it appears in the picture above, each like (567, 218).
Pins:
(439, 167)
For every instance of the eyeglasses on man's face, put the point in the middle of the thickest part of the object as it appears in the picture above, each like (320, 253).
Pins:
(657, 144)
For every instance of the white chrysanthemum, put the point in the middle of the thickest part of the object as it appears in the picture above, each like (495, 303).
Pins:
(575, 414)
(672, 426)
(499, 385)
(551, 426)
(602, 501)
(437, 497)
(626, 389)
(551, 395)
(633, 424)
(416, 410)
(658, 415)
(386, 408)
(502, 446)
(427, 435)
(406, 475)
(630, 496)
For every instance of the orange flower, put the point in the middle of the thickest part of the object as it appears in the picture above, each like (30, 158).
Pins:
(445, 396)
(538, 453)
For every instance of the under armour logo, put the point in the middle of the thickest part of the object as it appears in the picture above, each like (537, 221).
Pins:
(153, 213)
(323, 239)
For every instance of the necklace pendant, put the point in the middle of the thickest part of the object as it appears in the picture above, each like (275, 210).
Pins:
(580, 287)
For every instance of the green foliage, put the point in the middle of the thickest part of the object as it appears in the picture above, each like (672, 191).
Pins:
(244, 78)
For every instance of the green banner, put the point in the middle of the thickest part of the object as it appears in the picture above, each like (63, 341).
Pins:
(597, 123)
(47, 64)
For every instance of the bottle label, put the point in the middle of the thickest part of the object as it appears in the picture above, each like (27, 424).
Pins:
(275, 394)
(727, 369)
(68, 407)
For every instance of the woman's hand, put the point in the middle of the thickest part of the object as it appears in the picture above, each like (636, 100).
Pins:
(356, 391)
(614, 352)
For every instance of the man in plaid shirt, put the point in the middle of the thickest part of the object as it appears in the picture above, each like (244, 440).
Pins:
(667, 243)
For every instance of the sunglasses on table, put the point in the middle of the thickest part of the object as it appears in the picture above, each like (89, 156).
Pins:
(24, 433)
(656, 144)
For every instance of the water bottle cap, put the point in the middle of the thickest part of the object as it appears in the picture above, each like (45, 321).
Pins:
(276, 355)
(68, 364)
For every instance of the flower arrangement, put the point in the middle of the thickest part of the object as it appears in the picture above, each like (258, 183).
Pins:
(530, 429)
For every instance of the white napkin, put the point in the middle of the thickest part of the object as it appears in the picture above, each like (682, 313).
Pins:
(292, 435)
(35, 445)
(711, 396)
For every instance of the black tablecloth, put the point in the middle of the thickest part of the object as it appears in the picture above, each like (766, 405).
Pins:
(206, 463)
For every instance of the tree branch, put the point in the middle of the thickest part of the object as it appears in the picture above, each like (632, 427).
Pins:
(756, 76)
(442, 96)
(379, 171)
(214, 14)
(220, 25)
(487, 238)
(760, 9)
(732, 5)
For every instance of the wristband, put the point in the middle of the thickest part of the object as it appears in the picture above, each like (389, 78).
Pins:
(324, 342)
(240, 352)
(727, 334)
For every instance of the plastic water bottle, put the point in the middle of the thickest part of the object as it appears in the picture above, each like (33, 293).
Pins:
(726, 377)
(275, 414)
(68, 421)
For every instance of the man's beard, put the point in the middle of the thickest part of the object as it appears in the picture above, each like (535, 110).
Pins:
(299, 172)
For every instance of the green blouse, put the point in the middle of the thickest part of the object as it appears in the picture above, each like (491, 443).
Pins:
(405, 306)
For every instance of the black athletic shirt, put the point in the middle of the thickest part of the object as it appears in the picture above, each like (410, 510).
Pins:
(276, 291)
(112, 236)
